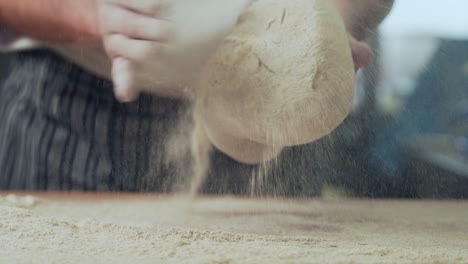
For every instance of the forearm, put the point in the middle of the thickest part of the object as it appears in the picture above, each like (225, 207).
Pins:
(52, 20)
(363, 16)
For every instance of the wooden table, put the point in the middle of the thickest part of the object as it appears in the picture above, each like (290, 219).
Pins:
(115, 227)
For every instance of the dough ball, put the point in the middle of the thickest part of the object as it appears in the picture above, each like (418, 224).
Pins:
(283, 77)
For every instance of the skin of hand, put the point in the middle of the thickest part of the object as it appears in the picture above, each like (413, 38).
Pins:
(131, 48)
(52, 20)
(162, 31)
(160, 46)
(361, 18)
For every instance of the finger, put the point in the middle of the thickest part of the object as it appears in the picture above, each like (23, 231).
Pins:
(362, 53)
(127, 77)
(124, 87)
(148, 7)
(115, 20)
(134, 49)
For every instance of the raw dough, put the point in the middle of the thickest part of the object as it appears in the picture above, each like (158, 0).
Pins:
(284, 77)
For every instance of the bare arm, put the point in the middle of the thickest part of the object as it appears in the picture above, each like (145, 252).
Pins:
(52, 20)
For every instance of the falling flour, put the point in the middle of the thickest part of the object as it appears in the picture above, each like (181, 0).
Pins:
(283, 77)
(200, 150)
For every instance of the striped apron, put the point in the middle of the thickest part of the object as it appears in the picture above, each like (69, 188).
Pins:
(61, 129)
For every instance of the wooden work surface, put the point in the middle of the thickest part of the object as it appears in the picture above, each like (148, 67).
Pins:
(243, 230)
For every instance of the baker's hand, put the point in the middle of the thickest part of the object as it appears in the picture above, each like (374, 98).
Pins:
(160, 46)
(361, 18)
(362, 53)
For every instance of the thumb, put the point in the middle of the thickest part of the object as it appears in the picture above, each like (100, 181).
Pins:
(362, 53)
(123, 81)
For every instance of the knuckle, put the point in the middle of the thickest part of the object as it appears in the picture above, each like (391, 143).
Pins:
(113, 41)
(156, 50)
(126, 21)
(156, 6)
(113, 45)
(143, 52)
(109, 44)
(166, 31)
(112, 19)
(149, 49)
(134, 30)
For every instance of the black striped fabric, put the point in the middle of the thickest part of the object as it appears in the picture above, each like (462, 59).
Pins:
(62, 129)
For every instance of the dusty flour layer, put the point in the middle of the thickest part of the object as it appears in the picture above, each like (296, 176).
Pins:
(232, 231)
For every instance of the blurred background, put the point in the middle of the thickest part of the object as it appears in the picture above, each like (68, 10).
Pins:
(408, 134)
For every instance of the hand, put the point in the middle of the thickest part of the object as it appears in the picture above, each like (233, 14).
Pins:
(362, 53)
(160, 46)
(64, 21)
(361, 18)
